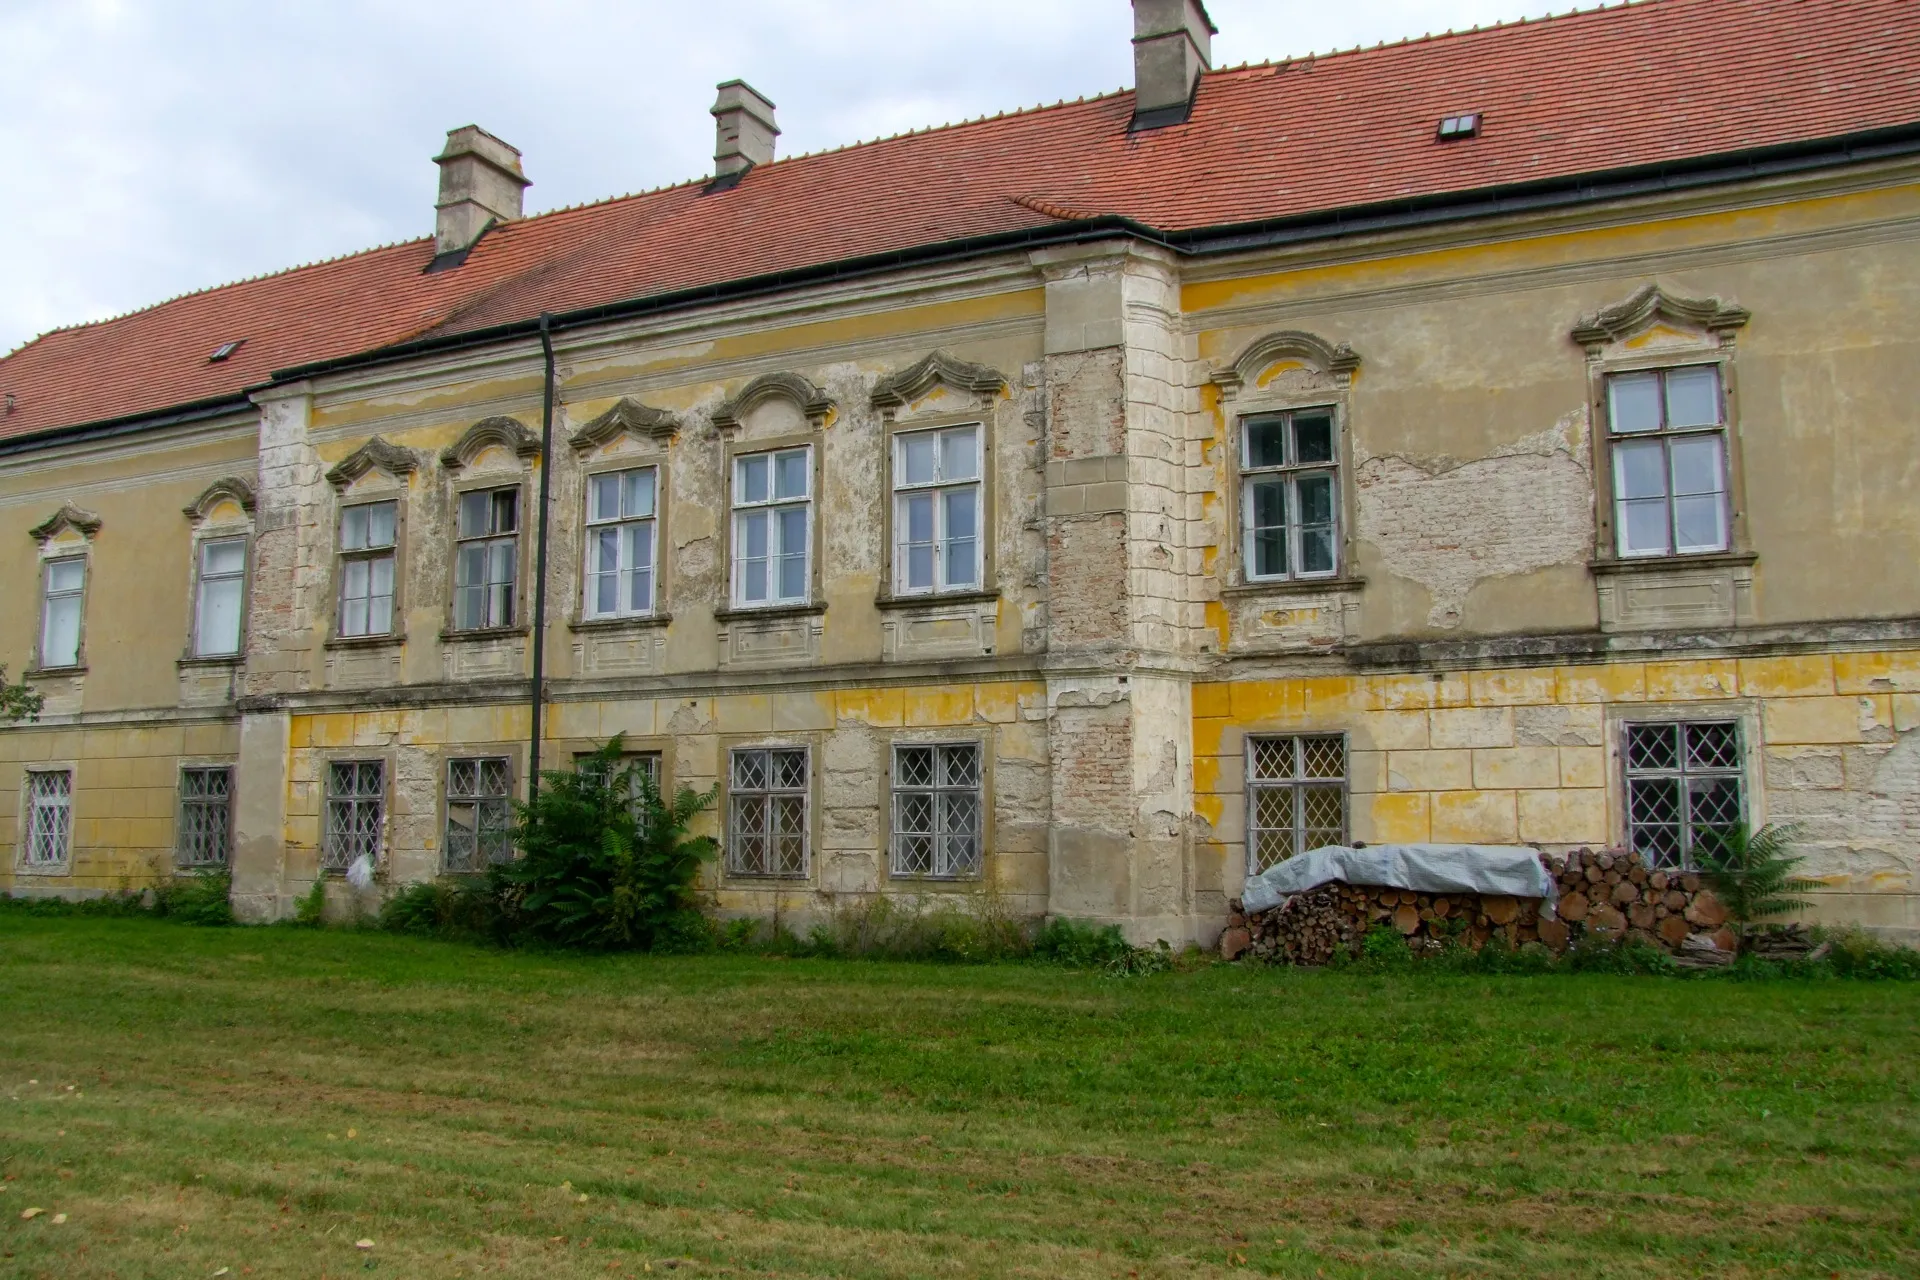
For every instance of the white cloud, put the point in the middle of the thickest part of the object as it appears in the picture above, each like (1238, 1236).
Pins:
(153, 148)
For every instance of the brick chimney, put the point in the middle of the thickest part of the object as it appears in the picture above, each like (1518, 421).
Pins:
(480, 183)
(743, 130)
(1172, 45)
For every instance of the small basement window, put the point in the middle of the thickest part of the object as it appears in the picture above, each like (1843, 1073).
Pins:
(1461, 126)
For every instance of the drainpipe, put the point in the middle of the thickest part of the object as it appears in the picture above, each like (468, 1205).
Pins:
(540, 559)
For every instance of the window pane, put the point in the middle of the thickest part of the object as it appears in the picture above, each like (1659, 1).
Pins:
(379, 612)
(353, 528)
(500, 566)
(1693, 397)
(1653, 746)
(1269, 503)
(217, 630)
(1697, 524)
(793, 576)
(917, 458)
(751, 479)
(637, 494)
(226, 556)
(640, 560)
(471, 566)
(750, 531)
(1266, 443)
(505, 510)
(919, 517)
(1316, 499)
(1634, 400)
(962, 549)
(1696, 465)
(960, 455)
(1316, 550)
(66, 575)
(916, 520)
(605, 500)
(1313, 438)
(793, 530)
(60, 643)
(382, 579)
(380, 522)
(473, 514)
(790, 475)
(354, 576)
(604, 554)
(1643, 526)
(1640, 469)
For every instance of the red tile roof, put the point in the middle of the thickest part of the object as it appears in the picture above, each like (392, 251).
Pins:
(1652, 82)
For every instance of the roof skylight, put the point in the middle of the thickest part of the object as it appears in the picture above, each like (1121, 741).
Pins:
(224, 350)
(1460, 126)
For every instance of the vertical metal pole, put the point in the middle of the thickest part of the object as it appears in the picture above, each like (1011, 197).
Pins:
(540, 560)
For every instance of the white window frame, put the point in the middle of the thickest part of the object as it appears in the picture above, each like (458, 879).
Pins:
(46, 836)
(1620, 442)
(769, 508)
(370, 554)
(499, 597)
(365, 809)
(949, 854)
(1303, 770)
(779, 801)
(620, 524)
(936, 489)
(49, 598)
(206, 817)
(480, 786)
(203, 550)
(1290, 473)
(1683, 773)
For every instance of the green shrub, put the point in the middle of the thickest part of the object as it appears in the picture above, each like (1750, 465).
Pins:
(606, 861)
(111, 905)
(1386, 947)
(196, 897)
(1078, 945)
(968, 928)
(454, 908)
(1751, 872)
(309, 909)
(1858, 954)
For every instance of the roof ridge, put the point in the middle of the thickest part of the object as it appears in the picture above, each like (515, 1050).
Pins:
(1577, 11)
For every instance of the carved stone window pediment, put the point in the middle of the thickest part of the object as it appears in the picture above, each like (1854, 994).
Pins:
(898, 390)
(1335, 360)
(814, 404)
(375, 454)
(1651, 305)
(507, 433)
(227, 489)
(628, 417)
(84, 523)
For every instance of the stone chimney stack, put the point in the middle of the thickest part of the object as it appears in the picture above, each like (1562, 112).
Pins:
(480, 182)
(1172, 45)
(743, 129)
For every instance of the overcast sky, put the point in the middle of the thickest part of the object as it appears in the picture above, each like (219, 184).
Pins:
(152, 147)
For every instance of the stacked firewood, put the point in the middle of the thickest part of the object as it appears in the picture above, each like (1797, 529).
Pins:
(1608, 892)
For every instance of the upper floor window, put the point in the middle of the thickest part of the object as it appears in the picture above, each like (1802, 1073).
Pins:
(486, 559)
(1667, 430)
(366, 568)
(936, 510)
(1289, 495)
(66, 586)
(620, 544)
(220, 603)
(772, 526)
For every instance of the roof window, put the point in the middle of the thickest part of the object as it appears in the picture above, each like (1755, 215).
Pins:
(224, 350)
(1461, 126)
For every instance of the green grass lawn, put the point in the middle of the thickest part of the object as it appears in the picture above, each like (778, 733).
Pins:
(260, 1100)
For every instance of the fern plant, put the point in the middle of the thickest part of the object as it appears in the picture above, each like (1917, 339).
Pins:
(1752, 873)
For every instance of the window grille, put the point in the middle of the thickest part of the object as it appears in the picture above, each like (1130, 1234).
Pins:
(218, 611)
(486, 559)
(355, 803)
(767, 812)
(936, 810)
(49, 817)
(1296, 797)
(479, 813)
(1289, 496)
(772, 527)
(366, 569)
(1683, 788)
(936, 510)
(620, 544)
(206, 816)
(66, 584)
(1669, 440)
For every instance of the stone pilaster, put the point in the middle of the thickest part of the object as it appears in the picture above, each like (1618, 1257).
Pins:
(260, 891)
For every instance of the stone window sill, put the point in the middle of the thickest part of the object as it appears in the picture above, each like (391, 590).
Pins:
(79, 669)
(43, 869)
(481, 634)
(390, 640)
(937, 598)
(212, 660)
(1291, 587)
(770, 611)
(635, 622)
(1655, 564)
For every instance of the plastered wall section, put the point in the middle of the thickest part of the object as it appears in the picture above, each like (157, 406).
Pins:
(1532, 755)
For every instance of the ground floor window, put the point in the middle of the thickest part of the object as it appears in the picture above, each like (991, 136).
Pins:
(1296, 797)
(206, 816)
(936, 810)
(1683, 787)
(767, 812)
(356, 791)
(479, 813)
(49, 817)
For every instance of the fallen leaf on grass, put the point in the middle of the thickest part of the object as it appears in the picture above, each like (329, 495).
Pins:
(31, 1213)
(363, 1244)
(59, 1219)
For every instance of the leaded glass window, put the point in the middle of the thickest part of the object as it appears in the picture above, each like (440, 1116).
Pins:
(49, 817)
(356, 792)
(1684, 787)
(1296, 797)
(767, 812)
(479, 813)
(937, 810)
(206, 816)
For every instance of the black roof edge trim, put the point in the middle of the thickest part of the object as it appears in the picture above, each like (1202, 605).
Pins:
(131, 424)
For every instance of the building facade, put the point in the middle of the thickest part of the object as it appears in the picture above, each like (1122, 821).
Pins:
(1087, 549)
